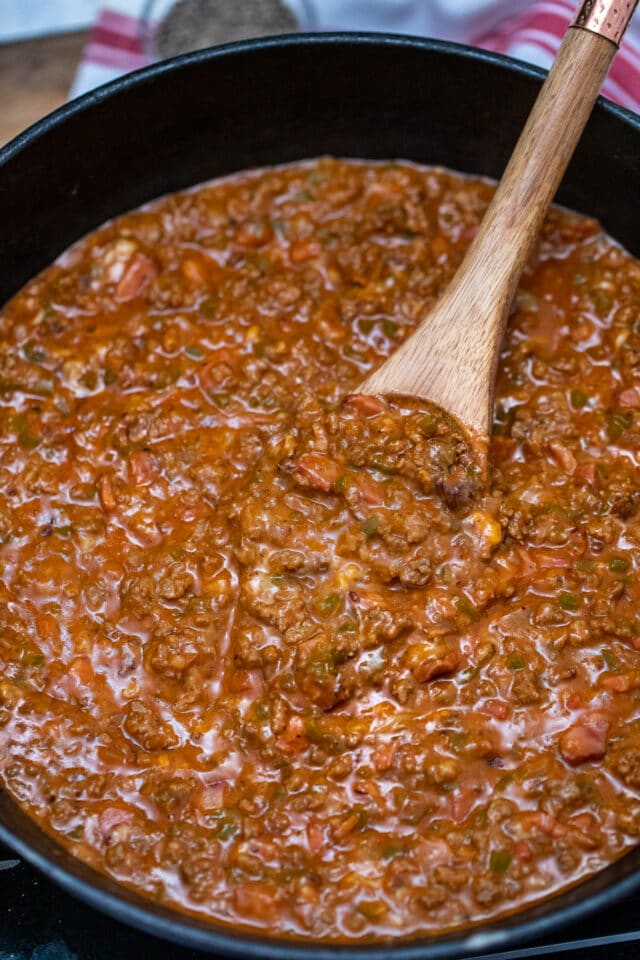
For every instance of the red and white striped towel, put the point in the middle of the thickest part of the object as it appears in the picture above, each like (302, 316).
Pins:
(535, 35)
(114, 48)
(532, 34)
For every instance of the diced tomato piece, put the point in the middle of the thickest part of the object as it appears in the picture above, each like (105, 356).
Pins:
(544, 325)
(367, 788)
(294, 729)
(527, 564)
(106, 494)
(563, 456)
(549, 559)
(81, 670)
(580, 830)
(468, 233)
(586, 472)
(253, 900)
(618, 682)
(575, 700)
(239, 680)
(522, 851)
(315, 837)
(534, 820)
(432, 852)
(140, 271)
(370, 491)
(366, 405)
(346, 826)
(586, 739)
(111, 818)
(194, 272)
(47, 628)
(584, 822)
(254, 233)
(498, 709)
(142, 468)
(630, 397)
(440, 248)
(304, 250)
(316, 471)
(294, 737)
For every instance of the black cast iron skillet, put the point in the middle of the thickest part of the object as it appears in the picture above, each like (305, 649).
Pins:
(263, 102)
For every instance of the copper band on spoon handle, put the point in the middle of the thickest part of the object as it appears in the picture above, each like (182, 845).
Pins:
(609, 18)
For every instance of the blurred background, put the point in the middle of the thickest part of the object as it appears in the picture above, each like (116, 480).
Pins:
(51, 50)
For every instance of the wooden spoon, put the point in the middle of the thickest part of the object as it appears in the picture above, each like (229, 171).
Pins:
(451, 358)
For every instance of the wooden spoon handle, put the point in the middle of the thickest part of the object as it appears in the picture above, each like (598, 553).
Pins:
(511, 224)
(550, 136)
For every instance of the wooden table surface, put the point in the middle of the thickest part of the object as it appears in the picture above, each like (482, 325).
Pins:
(35, 77)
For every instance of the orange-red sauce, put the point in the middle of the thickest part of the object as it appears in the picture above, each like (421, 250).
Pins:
(256, 662)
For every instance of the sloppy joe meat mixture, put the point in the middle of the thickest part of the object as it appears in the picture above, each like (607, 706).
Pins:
(271, 652)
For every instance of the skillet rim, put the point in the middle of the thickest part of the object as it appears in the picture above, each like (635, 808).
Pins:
(282, 41)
